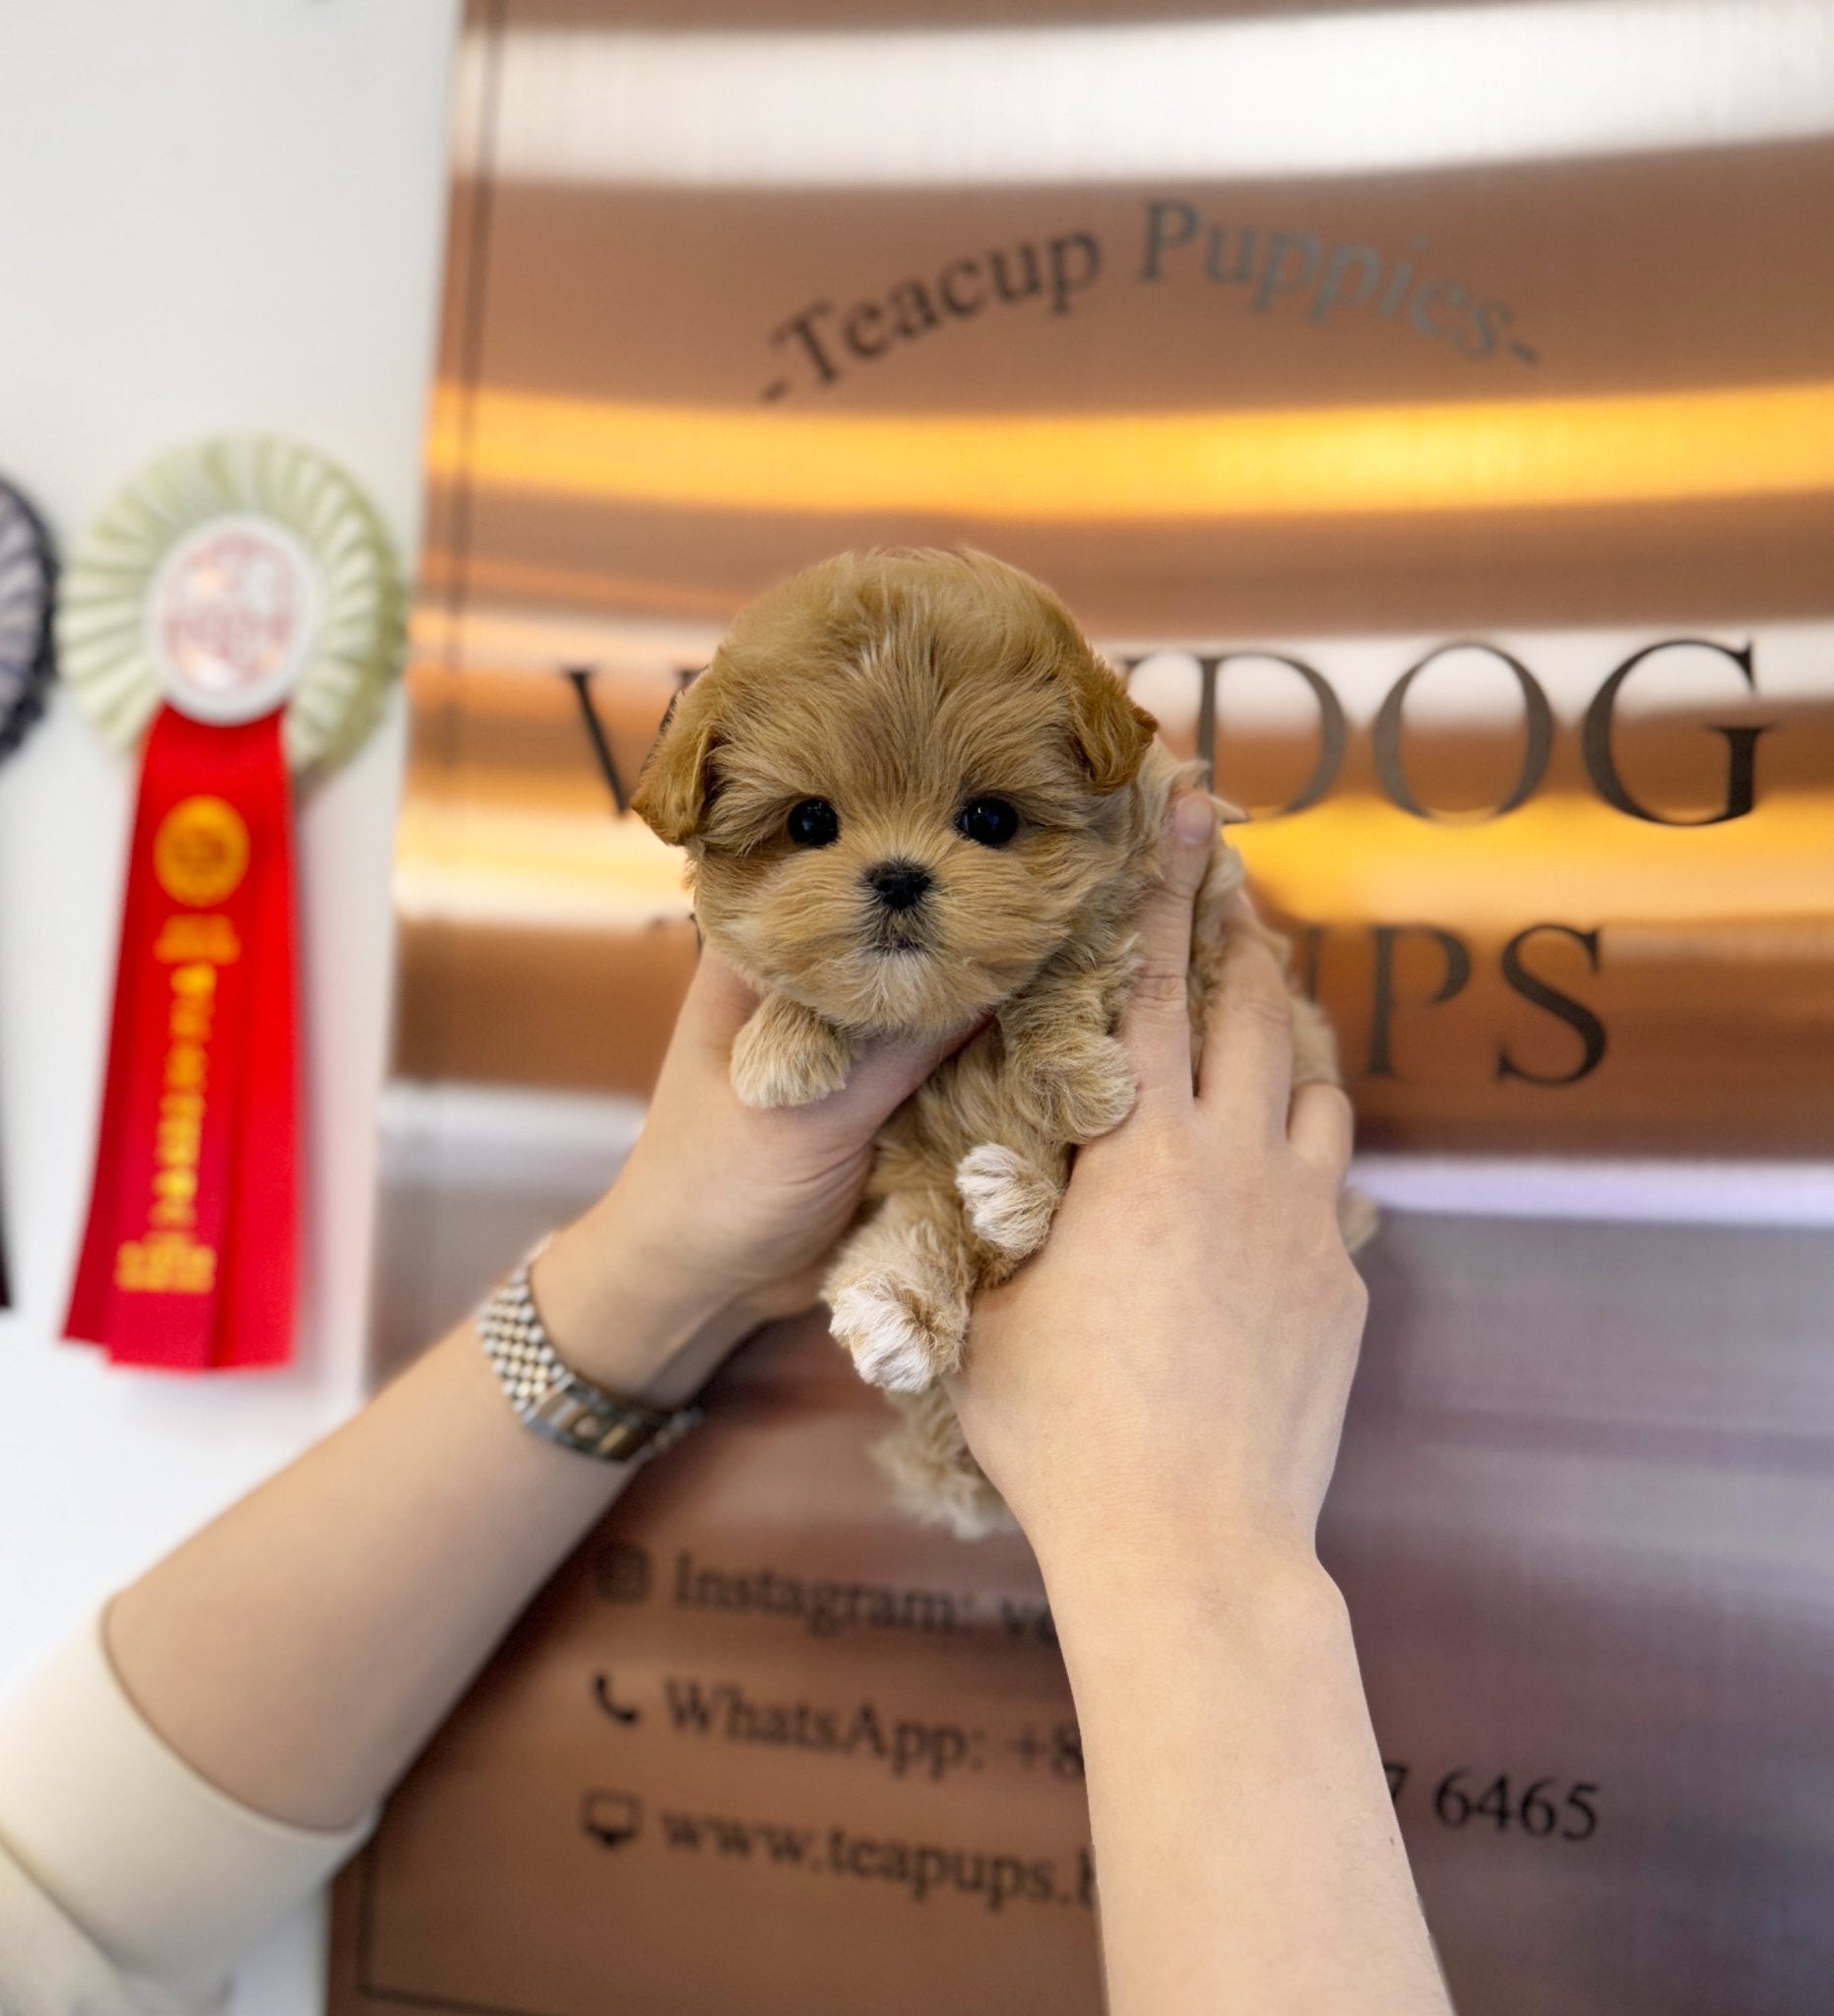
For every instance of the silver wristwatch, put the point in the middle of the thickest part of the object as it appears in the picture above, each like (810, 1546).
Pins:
(557, 1403)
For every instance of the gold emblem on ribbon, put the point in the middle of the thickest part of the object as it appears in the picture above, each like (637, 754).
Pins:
(200, 853)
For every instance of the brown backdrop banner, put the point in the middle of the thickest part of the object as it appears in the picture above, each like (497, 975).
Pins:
(1453, 468)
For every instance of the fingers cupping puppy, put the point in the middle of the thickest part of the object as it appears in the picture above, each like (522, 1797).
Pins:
(1182, 1347)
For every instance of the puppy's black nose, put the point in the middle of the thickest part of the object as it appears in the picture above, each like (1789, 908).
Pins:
(899, 884)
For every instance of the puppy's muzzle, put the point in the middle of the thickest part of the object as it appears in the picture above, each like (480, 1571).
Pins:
(899, 885)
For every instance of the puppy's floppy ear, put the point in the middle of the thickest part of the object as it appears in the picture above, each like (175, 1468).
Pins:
(671, 795)
(1112, 733)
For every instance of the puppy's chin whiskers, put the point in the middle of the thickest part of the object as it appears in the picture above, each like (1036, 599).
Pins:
(886, 943)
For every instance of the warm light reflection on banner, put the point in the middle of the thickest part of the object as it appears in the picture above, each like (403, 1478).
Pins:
(1348, 91)
(520, 869)
(1761, 441)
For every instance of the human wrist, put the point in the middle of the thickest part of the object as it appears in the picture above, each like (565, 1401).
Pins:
(622, 1316)
(1116, 1600)
(1155, 1655)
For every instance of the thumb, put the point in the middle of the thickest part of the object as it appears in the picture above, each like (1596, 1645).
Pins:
(717, 1006)
(1155, 1021)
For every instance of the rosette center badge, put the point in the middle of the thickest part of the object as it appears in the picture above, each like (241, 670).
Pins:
(231, 617)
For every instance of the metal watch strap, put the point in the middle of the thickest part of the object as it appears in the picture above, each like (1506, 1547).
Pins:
(556, 1402)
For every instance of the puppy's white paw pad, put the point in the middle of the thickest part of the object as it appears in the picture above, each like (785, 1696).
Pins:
(1009, 1200)
(893, 1343)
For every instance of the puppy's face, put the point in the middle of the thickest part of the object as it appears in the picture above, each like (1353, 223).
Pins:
(899, 782)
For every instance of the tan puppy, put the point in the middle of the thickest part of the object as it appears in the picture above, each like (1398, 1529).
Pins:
(912, 796)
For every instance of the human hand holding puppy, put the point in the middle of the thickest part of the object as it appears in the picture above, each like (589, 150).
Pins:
(725, 1212)
(1183, 1407)
(1164, 1429)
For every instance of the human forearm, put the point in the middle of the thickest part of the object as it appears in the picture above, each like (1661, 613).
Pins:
(300, 1649)
(1245, 1846)
(1159, 1395)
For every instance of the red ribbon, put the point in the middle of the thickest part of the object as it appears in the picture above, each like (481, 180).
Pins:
(189, 1259)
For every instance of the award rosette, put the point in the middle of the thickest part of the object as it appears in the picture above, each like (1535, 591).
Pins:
(28, 577)
(238, 610)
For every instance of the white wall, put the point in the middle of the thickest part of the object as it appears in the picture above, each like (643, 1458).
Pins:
(219, 214)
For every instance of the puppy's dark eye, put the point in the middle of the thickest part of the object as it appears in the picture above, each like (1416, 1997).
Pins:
(814, 823)
(987, 822)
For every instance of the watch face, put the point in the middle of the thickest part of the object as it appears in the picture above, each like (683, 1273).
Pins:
(582, 1418)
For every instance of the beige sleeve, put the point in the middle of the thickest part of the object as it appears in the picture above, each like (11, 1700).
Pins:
(169, 1879)
(49, 1968)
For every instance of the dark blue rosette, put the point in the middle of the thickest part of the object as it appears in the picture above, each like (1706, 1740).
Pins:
(28, 579)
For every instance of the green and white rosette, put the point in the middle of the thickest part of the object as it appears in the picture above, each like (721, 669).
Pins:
(27, 583)
(228, 578)
(237, 616)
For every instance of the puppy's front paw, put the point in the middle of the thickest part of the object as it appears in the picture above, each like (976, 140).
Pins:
(1087, 1089)
(900, 1338)
(785, 1057)
(1010, 1200)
